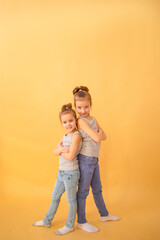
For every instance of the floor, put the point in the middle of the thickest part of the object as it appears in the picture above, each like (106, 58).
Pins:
(138, 221)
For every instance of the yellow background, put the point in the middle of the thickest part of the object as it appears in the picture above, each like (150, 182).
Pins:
(46, 49)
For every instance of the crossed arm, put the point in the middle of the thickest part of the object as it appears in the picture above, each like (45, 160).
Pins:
(96, 135)
(68, 153)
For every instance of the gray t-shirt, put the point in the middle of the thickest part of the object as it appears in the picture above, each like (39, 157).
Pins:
(89, 148)
(64, 164)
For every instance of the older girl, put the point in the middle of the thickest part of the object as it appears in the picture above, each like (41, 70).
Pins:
(92, 135)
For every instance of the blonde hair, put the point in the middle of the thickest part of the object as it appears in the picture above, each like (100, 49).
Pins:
(81, 92)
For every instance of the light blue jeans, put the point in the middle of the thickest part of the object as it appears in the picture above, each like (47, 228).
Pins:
(66, 181)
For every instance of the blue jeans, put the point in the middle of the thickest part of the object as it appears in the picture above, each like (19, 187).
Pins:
(89, 176)
(66, 181)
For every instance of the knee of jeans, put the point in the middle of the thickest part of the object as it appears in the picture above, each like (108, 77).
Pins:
(97, 191)
(72, 201)
(56, 197)
(82, 193)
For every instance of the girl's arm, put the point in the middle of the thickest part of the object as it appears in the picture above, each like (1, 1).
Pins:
(101, 133)
(73, 148)
(59, 148)
(96, 136)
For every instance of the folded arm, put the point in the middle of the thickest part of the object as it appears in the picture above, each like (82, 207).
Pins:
(70, 155)
(96, 135)
(60, 149)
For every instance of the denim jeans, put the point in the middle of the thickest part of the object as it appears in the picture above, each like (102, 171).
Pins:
(66, 181)
(89, 176)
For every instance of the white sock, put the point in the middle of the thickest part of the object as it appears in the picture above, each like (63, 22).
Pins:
(40, 224)
(64, 230)
(109, 218)
(87, 227)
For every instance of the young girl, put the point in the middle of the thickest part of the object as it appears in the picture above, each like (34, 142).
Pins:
(68, 174)
(92, 134)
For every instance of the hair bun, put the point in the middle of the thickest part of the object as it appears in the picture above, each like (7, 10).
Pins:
(66, 106)
(81, 88)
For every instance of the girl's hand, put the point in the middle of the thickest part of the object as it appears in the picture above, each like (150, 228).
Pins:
(72, 150)
(58, 150)
(59, 144)
(65, 149)
(96, 130)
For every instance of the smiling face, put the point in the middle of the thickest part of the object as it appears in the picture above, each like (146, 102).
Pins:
(83, 107)
(68, 122)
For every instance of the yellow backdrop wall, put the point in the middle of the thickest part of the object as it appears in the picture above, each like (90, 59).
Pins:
(49, 47)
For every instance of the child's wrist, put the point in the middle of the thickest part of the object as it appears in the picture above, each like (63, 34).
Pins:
(60, 150)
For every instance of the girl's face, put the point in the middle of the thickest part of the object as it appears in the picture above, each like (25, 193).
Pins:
(83, 107)
(68, 122)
